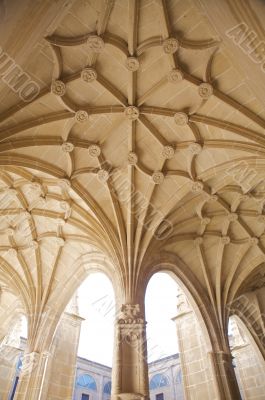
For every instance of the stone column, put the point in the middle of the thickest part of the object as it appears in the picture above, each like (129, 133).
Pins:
(198, 380)
(32, 376)
(64, 354)
(249, 367)
(50, 374)
(130, 369)
(224, 374)
(206, 375)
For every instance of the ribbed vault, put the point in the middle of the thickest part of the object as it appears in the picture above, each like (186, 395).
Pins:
(144, 139)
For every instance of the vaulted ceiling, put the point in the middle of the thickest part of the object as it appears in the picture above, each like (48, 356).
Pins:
(144, 140)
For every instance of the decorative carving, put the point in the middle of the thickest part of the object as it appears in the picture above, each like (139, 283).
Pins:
(58, 88)
(36, 187)
(244, 197)
(132, 64)
(182, 302)
(10, 231)
(170, 45)
(253, 241)
(158, 177)
(181, 118)
(195, 148)
(65, 205)
(232, 217)
(67, 147)
(103, 175)
(205, 90)
(29, 362)
(213, 198)
(89, 75)
(225, 240)
(175, 75)
(132, 113)
(94, 150)
(198, 240)
(60, 222)
(33, 245)
(60, 241)
(81, 116)
(95, 43)
(205, 221)
(64, 183)
(197, 187)
(168, 152)
(130, 314)
(132, 158)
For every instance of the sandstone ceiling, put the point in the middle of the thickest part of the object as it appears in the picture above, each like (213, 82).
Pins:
(144, 142)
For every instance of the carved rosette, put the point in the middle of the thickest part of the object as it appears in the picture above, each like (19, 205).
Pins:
(225, 240)
(58, 88)
(175, 75)
(197, 187)
(168, 152)
(65, 206)
(198, 240)
(158, 177)
(170, 45)
(103, 175)
(212, 198)
(132, 113)
(232, 217)
(95, 43)
(244, 197)
(94, 150)
(132, 158)
(60, 222)
(33, 245)
(67, 147)
(205, 221)
(59, 241)
(35, 187)
(64, 183)
(181, 118)
(253, 241)
(132, 64)
(205, 90)
(89, 75)
(81, 116)
(195, 148)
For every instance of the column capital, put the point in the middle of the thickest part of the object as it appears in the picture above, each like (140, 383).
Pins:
(129, 396)
(30, 361)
